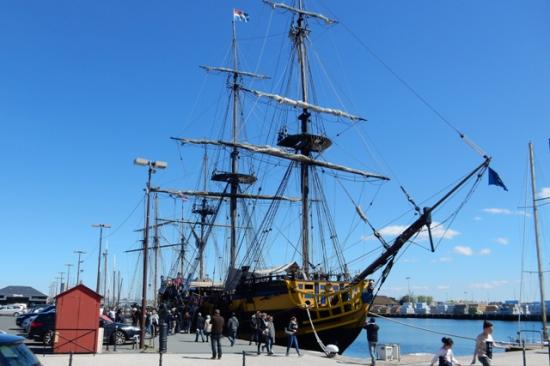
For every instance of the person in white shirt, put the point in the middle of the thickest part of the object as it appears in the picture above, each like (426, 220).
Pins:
(445, 356)
(484, 345)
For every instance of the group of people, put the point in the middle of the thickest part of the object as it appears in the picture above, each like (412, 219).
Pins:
(263, 333)
(483, 351)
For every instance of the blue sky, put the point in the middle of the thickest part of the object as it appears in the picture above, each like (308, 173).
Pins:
(87, 87)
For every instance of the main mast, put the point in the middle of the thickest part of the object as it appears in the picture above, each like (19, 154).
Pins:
(537, 242)
(300, 33)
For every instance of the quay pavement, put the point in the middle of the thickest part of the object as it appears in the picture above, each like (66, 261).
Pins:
(183, 351)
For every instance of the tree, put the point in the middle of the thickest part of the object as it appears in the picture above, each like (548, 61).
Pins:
(406, 298)
(423, 298)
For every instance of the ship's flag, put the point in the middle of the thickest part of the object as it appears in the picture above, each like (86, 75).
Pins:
(495, 180)
(240, 15)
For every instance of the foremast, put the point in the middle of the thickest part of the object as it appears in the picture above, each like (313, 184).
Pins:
(233, 178)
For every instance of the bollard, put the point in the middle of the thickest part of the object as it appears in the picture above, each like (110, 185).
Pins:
(163, 340)
(244, 358)
(163, 337)
(523, 351)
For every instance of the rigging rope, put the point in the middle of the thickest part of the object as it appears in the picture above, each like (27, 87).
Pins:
(408, 86)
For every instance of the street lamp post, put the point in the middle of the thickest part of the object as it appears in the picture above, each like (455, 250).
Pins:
(79, 252)
(151, 169)
(409, 288)
(101, 227)
(69, 265)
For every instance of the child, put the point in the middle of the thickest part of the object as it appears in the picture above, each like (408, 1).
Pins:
(445, 354)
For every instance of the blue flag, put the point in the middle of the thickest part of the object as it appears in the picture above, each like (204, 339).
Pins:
(495, 180)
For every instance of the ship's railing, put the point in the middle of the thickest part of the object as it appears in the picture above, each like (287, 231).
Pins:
(325, 299)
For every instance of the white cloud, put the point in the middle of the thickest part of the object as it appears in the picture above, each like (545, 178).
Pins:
(443, 287)
(502, 241)
(420, 288)
(410, 260)
(497, 211)
(505, 212)
(544, 192)
(489, 285)
(478, 218)
(392, 230)
(438, 232)
(442, 260)
(485, 251)
(463, 250)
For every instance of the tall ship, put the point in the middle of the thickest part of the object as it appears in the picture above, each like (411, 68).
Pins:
(290, 167)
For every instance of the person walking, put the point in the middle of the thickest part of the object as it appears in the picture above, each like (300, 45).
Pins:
(445, 356)
(484, 345)
(148, 324)
(372, 337)
(199, 330)
(207, 327)
(155, 322)
(118, 316)
(261, 332)
(232, 327)
(270, 335)
(253, 328)
(291, 330)
(217, 331)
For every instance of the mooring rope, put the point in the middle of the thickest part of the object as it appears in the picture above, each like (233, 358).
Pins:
(427, 329)
(319, 341)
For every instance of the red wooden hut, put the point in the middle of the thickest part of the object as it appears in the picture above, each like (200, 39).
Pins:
(77, 320)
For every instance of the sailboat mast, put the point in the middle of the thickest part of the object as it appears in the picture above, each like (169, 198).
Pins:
(234, 157)
(537, 242)
(156, 252)
(203, 213)
(300, 35)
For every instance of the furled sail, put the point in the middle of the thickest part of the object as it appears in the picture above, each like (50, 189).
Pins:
(304, 105)
(273, 151)
(233, 71)
(301, 11)
(224, 195)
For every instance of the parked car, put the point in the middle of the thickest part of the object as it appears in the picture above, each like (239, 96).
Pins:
(118, 333)
(14, 352)
(42, 328)
(39, 309)
(13, 310)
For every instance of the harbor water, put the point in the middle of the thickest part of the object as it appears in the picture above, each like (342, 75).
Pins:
(415, 341)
